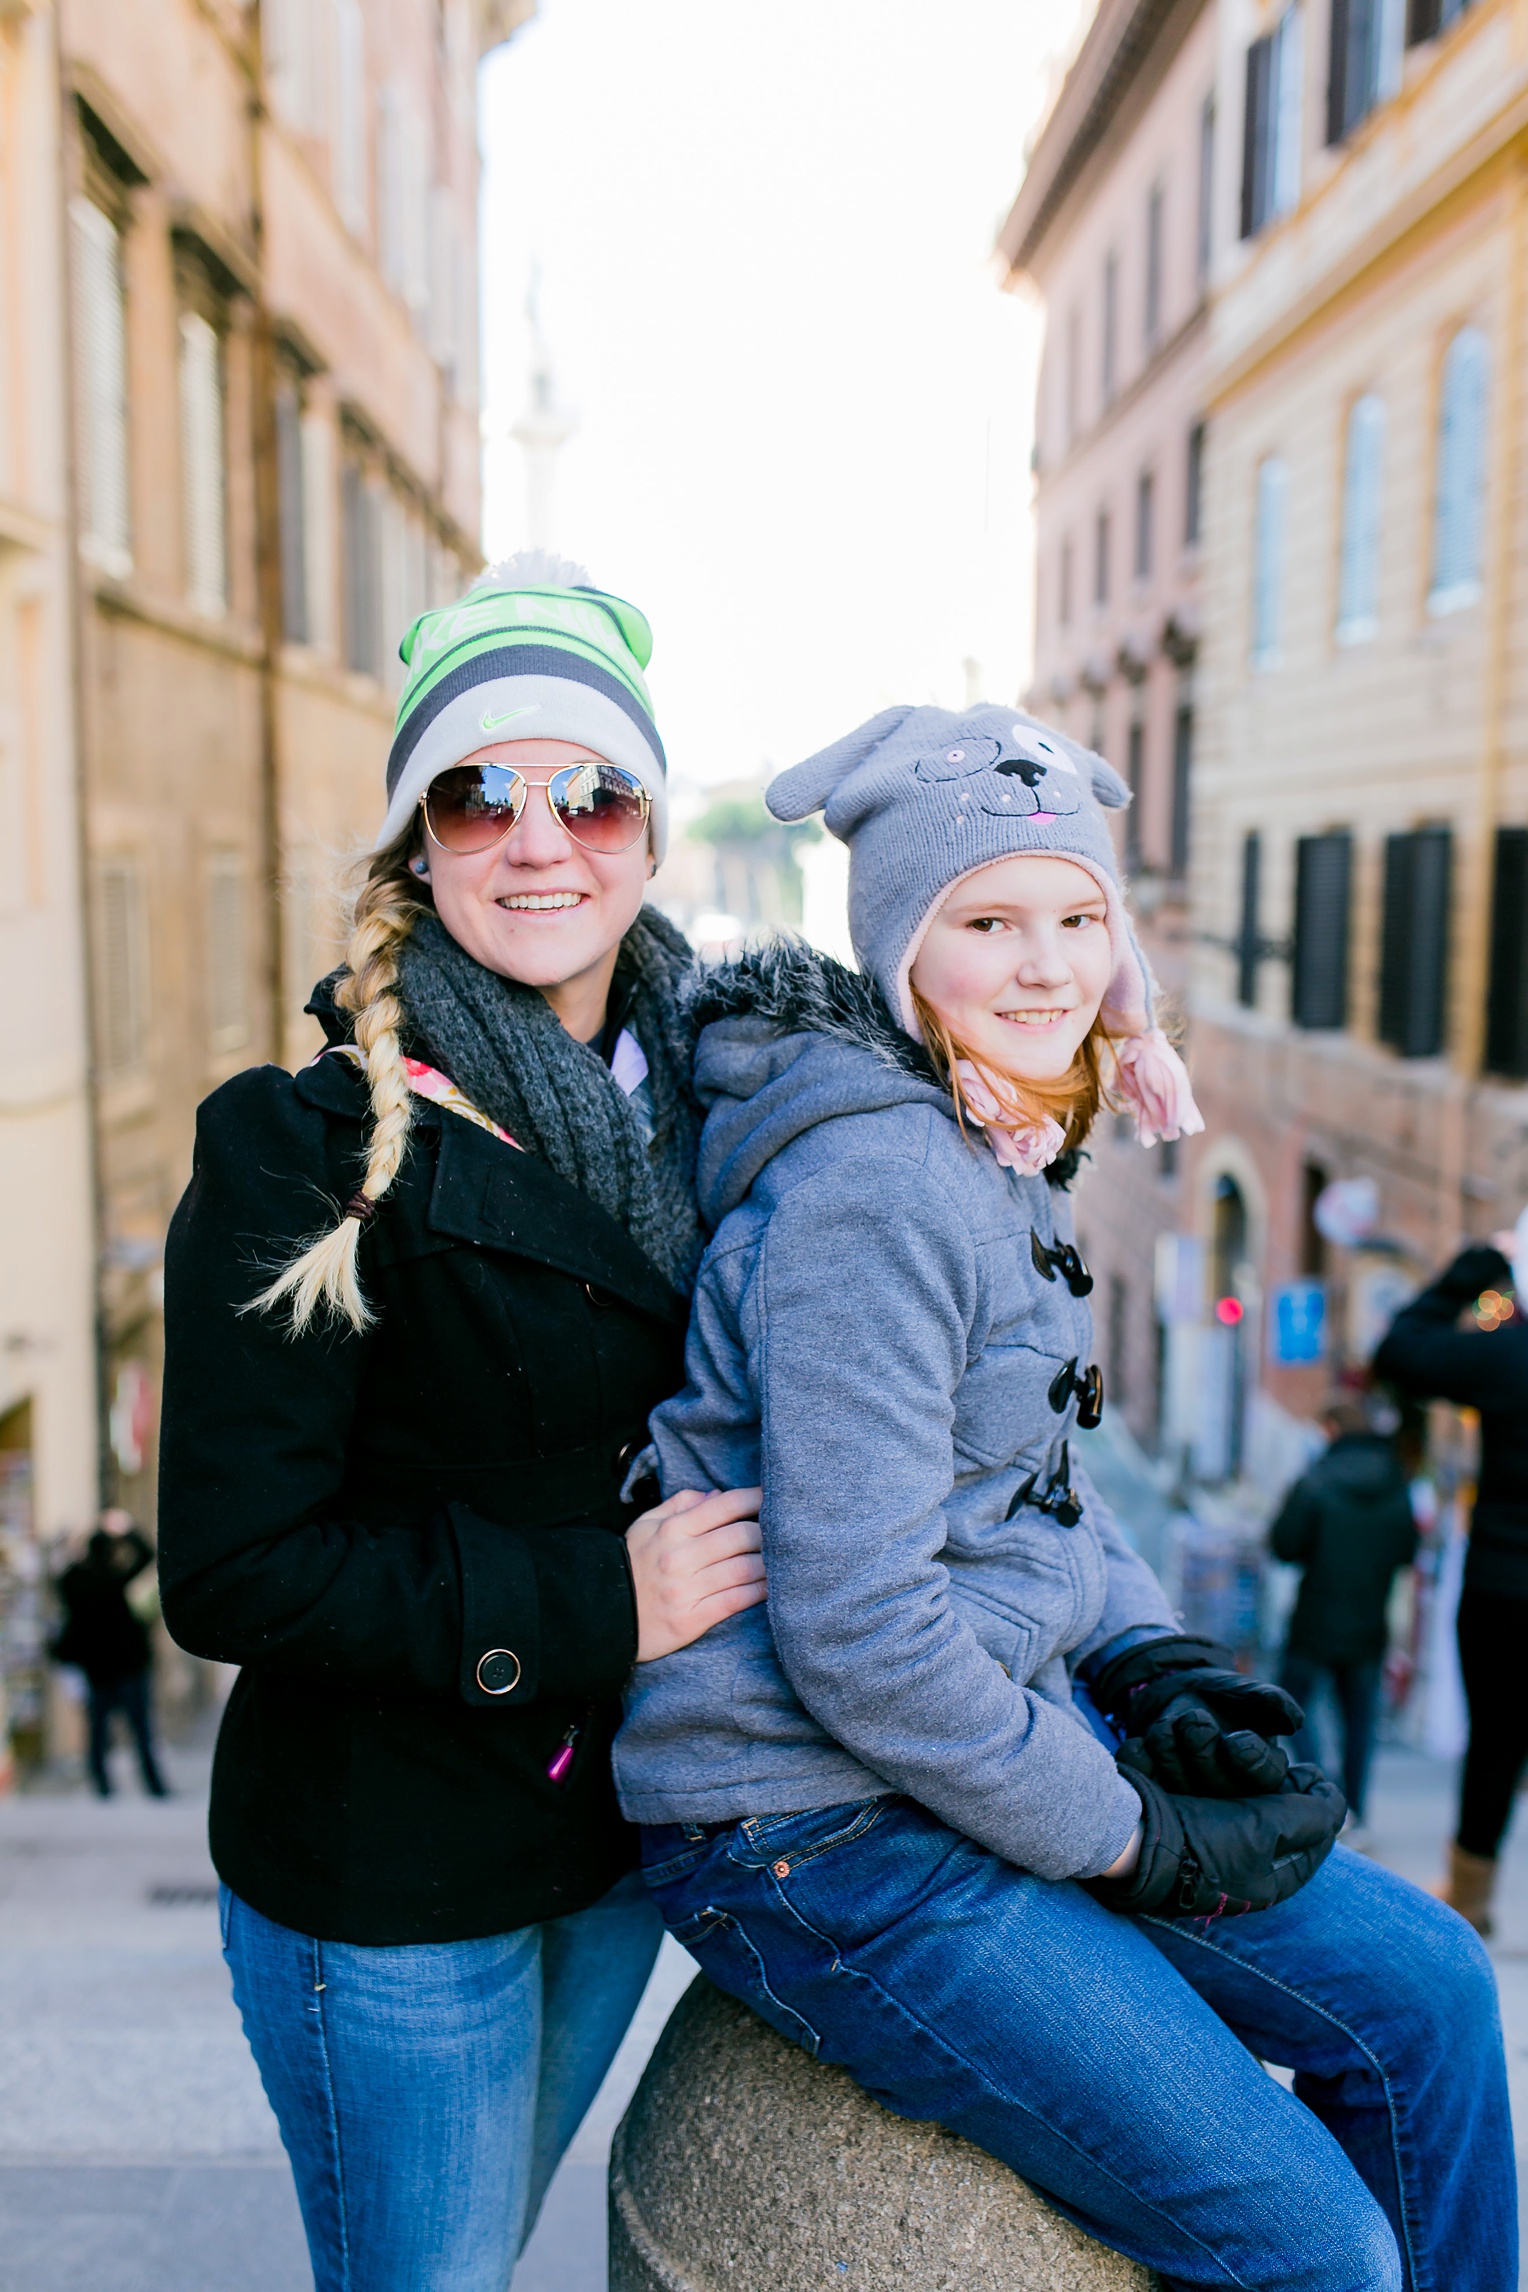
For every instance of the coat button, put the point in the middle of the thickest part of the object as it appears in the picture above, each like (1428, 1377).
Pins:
(498, 1672)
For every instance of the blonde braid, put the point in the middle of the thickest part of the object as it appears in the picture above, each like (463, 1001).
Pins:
(325, 1276)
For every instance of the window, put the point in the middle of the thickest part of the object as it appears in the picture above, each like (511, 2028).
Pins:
(1430, 17)
(1364, 67)
(1074, 377)
(203, 477)
(291, 491)
(1268, 561)
(1065, 585)
(1507, 1003)
(1135, 772)
(1414, 942)
(1205, 243)
(1323, 888)
(100, 354)
(348, 154)
(1249, 942)
(1145, 492)
(1183, 767)
(1313, 1184)
(227, 964)
(1193, 486)
(1153, 312)
(1362, 495)
(317, 440)
(1101, 558)
(361, 545)
(1109, 366)
(1271, 127)
(122, 983)
(1458, 510)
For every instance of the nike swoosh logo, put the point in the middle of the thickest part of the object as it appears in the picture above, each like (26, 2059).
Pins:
(491, 723)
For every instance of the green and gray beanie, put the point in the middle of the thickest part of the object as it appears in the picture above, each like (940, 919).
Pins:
(534, 651)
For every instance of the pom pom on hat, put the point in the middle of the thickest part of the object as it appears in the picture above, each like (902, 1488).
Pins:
(1153, 1081)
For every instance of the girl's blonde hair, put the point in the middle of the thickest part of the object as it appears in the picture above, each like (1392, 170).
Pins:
(1073, 1099)
(323, 1279)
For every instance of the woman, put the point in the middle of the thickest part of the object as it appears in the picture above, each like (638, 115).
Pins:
(877, 1810)
(396, 1459)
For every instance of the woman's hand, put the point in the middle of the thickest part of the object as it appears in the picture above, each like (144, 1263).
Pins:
(694, 1562)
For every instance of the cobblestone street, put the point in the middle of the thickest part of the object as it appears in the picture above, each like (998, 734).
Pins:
(137, 2153)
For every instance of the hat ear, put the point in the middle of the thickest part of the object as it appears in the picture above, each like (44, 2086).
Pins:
(1107, 785)
(806, 787)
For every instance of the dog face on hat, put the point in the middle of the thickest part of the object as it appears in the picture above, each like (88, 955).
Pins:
(1023, 777)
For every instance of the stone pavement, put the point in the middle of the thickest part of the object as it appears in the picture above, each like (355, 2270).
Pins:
(137, 2153)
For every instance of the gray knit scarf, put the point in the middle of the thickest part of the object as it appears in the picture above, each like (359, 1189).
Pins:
(501, 1045)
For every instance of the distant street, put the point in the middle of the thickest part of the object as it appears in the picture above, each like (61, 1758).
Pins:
(137, 2153)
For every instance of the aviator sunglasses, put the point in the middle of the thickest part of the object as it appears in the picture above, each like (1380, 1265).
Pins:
(474, 806)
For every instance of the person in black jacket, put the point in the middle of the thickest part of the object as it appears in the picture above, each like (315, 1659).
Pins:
(104, 1638)
(1347, 1524)
(402, 1462)
(1426, 1354)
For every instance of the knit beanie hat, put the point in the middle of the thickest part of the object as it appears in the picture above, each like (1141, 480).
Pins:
(923, 797)
(532, 652)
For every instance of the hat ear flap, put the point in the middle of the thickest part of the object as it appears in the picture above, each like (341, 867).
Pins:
(806, 787)
(1107, 785)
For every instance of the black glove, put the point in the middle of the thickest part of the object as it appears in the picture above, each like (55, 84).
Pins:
(1191, 1721)
(1206, 1858)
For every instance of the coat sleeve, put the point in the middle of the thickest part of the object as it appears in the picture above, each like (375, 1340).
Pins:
(1425, 1355)
(1293, 1534)
(861, 1309)
(259, 1562)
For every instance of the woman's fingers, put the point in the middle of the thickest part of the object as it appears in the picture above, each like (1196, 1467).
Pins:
(720, 1605)
(721, 1508)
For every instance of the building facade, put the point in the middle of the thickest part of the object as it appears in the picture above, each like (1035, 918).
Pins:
(251, 259)
(1360, 870)
(1113, 228)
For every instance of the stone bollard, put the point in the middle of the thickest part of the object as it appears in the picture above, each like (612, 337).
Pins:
(744, 2166)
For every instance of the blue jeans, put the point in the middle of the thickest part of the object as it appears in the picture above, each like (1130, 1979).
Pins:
(130, 1696)
(1115, 2062)
(1355, 1691)
(425, 2094)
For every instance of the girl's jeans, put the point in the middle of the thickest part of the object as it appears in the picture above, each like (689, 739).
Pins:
(1116, 2063)
(425, 2094)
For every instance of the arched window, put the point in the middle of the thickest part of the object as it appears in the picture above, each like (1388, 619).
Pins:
(1268, 561)
(1459, 507)
(1362, 494)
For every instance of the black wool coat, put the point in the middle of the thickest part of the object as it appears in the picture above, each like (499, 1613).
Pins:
(1348, 1523)
(1426, 1354)
(408, 1538)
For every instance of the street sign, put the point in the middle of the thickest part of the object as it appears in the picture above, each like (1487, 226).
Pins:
(1297, 1324)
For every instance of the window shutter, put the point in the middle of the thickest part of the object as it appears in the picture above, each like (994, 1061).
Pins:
(1255, 137)
(1323, 890)
(1135, 773)
(1249, 930)
(227, 972)
(1507, 1007)
(1362, 497)
(1193, 484)
(202, 472)
(1145, 506)
(1414, 942)
(1110, 335)
(1154, 201)
(100, 354)
(1268, 560)
(290, 488)
(121, 969)
(1458, 525)
(358, 508)
(1183, 767)
(318, 527)
(1337, 69)
(1205, 242)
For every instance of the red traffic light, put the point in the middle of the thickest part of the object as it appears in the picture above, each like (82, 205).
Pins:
(1228, 1311)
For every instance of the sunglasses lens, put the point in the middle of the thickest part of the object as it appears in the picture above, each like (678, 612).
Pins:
(602, 806)
(473, 806)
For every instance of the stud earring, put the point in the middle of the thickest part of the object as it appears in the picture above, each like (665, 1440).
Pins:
(420, 867)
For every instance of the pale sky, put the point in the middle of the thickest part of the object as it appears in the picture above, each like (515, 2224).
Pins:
(765, 245)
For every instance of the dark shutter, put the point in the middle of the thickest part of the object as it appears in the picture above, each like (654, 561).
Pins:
(1323, 889)
(1135, 769)
(1193, 483)
(1507, 1008)
(359, 521)
(294, 582)
(1337, 71)
(1183, 765)
(1257, 124)
(1413, 975)
(1248, 936)
(1422, 19)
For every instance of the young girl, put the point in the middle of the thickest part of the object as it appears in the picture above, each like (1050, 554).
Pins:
(878, 1809)
(395, 1464)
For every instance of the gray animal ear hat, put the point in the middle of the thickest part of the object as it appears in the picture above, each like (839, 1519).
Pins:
(924, 797)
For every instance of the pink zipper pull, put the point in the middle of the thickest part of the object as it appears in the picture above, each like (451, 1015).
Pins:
(562, 1757)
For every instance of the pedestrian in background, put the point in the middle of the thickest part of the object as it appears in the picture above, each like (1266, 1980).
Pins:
(105, 1639)
(1427, 1355)
(1347, 1524)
